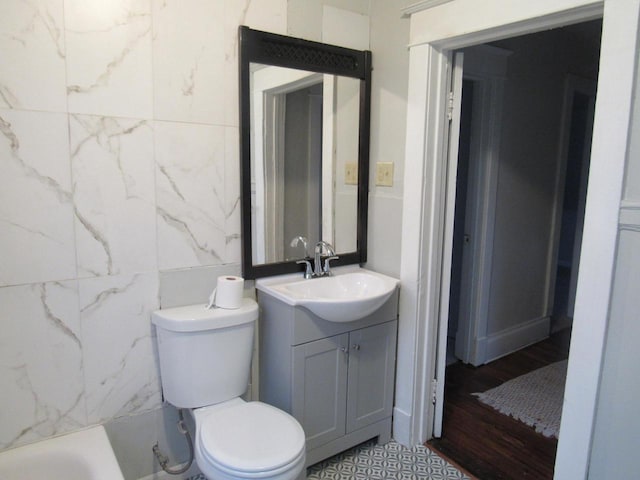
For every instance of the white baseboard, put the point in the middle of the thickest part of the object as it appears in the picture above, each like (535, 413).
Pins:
(401, 427)
(512, 339)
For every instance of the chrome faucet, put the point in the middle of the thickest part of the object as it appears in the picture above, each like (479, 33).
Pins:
(318, 269)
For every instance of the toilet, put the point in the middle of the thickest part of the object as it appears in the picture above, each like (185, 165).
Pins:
(205, 360)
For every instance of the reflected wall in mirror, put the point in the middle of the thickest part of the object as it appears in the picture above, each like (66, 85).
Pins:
(304, 148)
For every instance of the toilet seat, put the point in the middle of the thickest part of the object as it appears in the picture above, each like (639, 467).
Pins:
(227, 432)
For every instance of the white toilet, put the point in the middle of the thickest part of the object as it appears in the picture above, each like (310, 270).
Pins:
(205, 359)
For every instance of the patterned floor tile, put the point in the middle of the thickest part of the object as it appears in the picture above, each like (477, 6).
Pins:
(390, 461)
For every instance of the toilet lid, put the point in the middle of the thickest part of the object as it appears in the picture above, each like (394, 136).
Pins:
(251, 437)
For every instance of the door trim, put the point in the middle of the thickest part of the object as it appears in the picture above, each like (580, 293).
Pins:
(486, 66)
(454, 114)
(423, 202)
(573, 84)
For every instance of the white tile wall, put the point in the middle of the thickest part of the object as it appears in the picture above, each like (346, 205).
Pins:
(120, 172)
(40, 362)
(33, 56)
(232, 195)
(108, 57)
(188, 61)
(190, 194)
(113, 170)
(120, 367)
(36, 211)
(190, 286)
(269, 15)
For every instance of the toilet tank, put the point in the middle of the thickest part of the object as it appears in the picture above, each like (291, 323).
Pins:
(205, 354)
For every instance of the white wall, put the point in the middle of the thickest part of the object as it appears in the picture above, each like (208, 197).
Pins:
(528, 168)
(617, 427)
(389, 40)
(347, 27)
(526, 180)
(304, 19)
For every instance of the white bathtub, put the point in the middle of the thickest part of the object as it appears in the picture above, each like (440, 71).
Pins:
(84, 455)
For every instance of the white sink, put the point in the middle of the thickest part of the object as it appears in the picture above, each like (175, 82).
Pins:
(350, 294)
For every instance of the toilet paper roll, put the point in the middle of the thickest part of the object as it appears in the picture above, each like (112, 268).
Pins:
(228, 292)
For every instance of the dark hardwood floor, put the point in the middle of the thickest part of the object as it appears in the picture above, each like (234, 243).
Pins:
(487, 444)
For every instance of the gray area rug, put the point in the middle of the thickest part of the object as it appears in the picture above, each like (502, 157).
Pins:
(534, 398)
(390, 461)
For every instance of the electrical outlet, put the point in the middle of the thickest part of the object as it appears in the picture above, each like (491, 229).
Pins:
(351, 173)
(384, 174)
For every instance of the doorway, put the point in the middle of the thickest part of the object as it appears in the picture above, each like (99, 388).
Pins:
(434, 34)
(579, 105)
(545, 201)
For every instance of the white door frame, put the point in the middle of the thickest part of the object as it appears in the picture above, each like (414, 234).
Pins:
(572, 85)
(486, 66)
(435, 32)
(454, 115)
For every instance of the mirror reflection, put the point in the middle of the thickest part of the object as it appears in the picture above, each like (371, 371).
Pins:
(304, 162)
(304, 143)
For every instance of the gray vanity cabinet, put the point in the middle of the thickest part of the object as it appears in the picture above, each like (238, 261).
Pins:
(372, 361)
(336, 379)
(319, 390)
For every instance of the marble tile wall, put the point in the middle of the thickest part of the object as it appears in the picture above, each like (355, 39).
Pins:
(119, 194)
(119, 187)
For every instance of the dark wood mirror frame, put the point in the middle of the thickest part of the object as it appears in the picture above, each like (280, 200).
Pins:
(279, 50)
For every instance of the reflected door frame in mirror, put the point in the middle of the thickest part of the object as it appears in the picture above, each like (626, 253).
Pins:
(270, 49)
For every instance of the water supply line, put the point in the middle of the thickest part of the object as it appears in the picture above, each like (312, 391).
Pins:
(163, 460)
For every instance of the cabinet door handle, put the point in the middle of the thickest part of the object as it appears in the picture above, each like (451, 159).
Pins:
(355, 346)
(344, 350)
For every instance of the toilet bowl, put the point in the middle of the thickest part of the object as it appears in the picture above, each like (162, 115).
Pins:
(205, 358)
(226, 433)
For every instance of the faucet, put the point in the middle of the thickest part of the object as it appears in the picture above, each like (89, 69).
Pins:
(318, 269)
(299, 239)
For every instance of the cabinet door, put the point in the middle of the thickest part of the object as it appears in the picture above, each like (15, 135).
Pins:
(372, 353)
(319, 391)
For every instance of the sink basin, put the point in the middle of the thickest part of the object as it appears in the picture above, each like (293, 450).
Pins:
(350, 294)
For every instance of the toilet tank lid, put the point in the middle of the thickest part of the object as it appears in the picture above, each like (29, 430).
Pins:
(194, 318)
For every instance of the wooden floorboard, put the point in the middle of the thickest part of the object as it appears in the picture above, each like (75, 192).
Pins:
(484, 442)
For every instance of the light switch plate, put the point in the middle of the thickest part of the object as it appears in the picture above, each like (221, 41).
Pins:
(351, 173)
(384, 174)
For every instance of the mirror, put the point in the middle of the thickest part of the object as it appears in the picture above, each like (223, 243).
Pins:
(304, 132)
